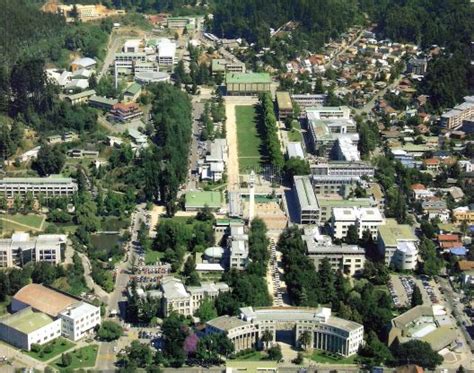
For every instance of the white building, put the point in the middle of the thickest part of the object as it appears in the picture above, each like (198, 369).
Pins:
(295, 150)
(349, 259)
(238, 246)
(28, 327)
(364, 218)
(166, 52)
(343, 168)
(346, 150)
(307, 203)
(78, 320)
(328, 112)
(398, 244)
(47, 186)
(132, 46)
(186, 301)
(328, 333)
(213, 166)
(21, 249)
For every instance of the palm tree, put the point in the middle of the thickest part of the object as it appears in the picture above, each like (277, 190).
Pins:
(305, 339)
(267, 337)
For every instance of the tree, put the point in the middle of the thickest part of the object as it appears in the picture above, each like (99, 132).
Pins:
(296, 166)
(66, 359)
(206, 311)
(267, 337)
(305, 339)
(416, 297)
(50, 160)
(416, 352)
(139, 355)
(274, 353)
(352, 237)
(109, 331)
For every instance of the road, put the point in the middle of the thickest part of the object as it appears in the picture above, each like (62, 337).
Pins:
(101, 293)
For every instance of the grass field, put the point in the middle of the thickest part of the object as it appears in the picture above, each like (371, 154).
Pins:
(18, 222)
(251, 356)
(151, 256)
(81, 358)
(59, 346)
(325, 358)
(295, 133)
(249, 143)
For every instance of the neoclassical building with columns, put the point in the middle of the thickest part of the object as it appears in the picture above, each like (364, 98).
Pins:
(328, 333)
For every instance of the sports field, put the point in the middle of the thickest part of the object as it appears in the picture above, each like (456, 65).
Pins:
(249, 143)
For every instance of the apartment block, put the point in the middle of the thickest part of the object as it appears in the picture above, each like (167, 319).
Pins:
(52, 186)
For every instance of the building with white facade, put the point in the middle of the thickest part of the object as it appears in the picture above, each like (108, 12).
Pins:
(332, 184)
(21, 249)
(343, 168)
(78, 320)
(346, 150)
(398, 244)
(364, 218)
(305, 101)
(455, 117)
(131, 46)
(328, 333)
(28, 327)
(238, 245)
(41, 314)
(185, 301)
(349, 259)
(306, 202)
(213, 166)
(166, 52)
(52, 186)
(328, 112)
(294, 149)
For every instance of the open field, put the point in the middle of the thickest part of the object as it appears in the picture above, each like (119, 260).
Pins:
(249, 143)
(19, 222)
(152, 256)
(59, 346)
(295, 133)
(251, 356)
(81, 358)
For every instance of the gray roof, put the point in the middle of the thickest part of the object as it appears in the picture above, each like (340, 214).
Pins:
(295, 150)
(226, 322)
(305, 192)
(36, 180)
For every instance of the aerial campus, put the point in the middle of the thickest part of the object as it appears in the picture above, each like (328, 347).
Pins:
(237, 186)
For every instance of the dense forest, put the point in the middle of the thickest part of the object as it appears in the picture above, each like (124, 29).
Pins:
(319, 19)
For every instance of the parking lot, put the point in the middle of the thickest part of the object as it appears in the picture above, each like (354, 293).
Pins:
(401, 289)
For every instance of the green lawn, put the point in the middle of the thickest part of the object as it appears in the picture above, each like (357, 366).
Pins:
(295, 133)
(249, 143)
(151, 256)
(326, 358)
(251, 356)
(81, 358)
(30, 220)
(59, 346)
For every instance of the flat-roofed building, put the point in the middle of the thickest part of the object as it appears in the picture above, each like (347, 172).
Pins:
(431, 324)
(327, 202)
(398, 244)
(131, 46)
(21, 249)
(346, 150)
(328, 333)
(328, 112)
(247, 84)
(305, 101)
(454, 118)
(343, 168)
(132, 92)
(79, 320)
(223, 66)
(332, 184)
(284, 104)
(166, 52)
(295, 150)
(125, 112)
(213, 166)
(324, 133)
(27, 327)
(125, 62)
(307, 204)
(348, 259)
(52, 186)
(363, 218)
(238, 247)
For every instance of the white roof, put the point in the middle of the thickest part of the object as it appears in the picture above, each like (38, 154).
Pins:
(79, 310)
(344, 214)
(173, 288)
(84, 62)
(166, 48)
(407, 247)
(295, 150)
(209, 267)
(133, 43)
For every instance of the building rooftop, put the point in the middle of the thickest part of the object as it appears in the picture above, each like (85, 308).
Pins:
(173, 288)
(52, 179)
(133, 88)
(79, 309)
(305, 192)
(392, 232)
(198, 199)
(44, 299)
(248, 78)
(284, 101)
(82, 94)
(295, 150)
(103, 100)
(226, 322)
(26, 320)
